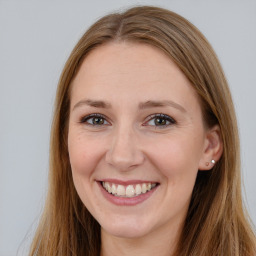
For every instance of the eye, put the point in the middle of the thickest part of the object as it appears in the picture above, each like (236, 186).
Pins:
(159, 120)
(95, 120)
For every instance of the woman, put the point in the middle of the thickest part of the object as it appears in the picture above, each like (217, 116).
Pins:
(144, 146)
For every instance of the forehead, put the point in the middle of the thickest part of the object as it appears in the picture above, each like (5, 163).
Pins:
(121, 58)
(134, 70)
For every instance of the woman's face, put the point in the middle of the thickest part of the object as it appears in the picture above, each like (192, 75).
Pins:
(136, 130)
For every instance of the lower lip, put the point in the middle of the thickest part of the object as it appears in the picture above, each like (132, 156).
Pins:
(126, 201)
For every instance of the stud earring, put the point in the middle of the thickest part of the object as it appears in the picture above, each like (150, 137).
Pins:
(212, 161)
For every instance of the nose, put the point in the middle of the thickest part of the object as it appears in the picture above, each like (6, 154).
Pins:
(124, 153)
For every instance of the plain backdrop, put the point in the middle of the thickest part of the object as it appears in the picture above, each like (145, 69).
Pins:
(36, 38)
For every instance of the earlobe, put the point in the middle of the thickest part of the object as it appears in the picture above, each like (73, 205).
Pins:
(213, 148)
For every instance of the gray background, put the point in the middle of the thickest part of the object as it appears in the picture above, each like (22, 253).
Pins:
(36, 38)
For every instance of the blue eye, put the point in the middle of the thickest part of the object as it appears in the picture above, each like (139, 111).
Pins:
(160, 120)
(95, 119)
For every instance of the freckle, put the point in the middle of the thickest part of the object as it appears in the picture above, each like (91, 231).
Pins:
(79, 138)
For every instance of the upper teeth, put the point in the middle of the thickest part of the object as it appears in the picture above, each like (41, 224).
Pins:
(128, 191)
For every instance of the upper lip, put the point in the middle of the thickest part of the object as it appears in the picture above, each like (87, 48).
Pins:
(127, 182)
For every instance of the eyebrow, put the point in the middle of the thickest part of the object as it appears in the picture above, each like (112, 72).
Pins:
(142, 105)
(93, 103)
(164, 103)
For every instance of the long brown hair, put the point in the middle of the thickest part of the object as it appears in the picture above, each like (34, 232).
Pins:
(216, 223)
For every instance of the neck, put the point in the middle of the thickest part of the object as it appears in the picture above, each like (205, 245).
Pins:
(160, 242)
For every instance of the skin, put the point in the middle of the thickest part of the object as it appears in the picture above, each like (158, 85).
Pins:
(128, 145)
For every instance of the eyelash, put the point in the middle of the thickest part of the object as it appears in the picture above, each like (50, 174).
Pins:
(91, 116)
(163, 117)
(169, 120)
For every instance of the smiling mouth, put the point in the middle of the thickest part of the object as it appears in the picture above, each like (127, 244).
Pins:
(129, 191)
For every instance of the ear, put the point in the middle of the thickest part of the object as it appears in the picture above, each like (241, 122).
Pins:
(213, 148)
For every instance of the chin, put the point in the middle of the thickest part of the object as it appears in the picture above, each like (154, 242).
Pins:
(131, 229)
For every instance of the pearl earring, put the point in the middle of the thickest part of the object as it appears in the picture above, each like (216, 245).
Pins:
(212, 161)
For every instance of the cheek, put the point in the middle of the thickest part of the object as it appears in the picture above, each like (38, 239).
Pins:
(84, 154)
(177, 156)
(178, 162)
